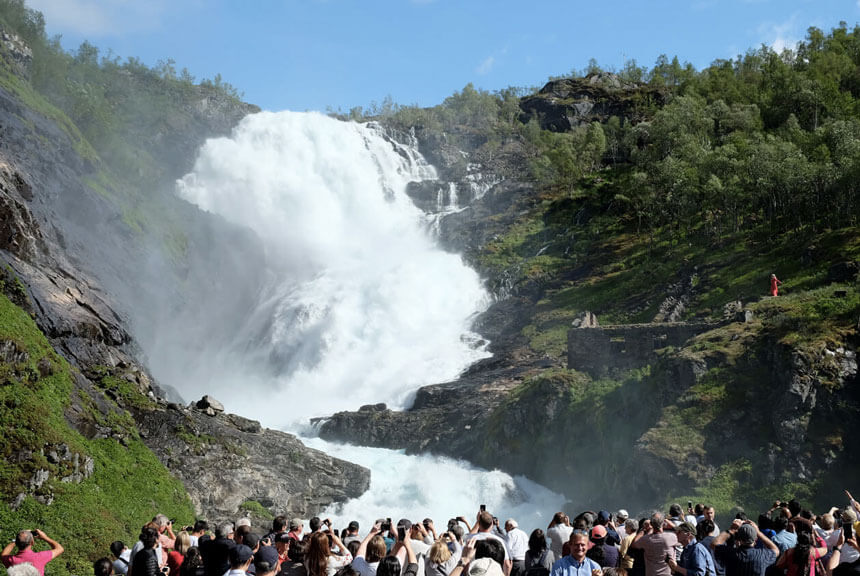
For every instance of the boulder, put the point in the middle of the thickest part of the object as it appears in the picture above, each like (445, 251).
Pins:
(210, 405)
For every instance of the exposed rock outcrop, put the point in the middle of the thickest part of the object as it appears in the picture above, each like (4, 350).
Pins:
(225, 460)
(565, 104)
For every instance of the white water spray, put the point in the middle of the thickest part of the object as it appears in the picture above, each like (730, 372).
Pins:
(362, 306)
(359, 304)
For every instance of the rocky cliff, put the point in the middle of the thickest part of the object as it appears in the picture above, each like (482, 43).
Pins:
(735, 408)
(75, 251)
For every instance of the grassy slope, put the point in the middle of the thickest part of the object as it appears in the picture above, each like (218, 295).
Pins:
(128, 485)
(575, 248)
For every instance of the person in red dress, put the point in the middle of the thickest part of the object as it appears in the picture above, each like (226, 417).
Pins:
(774, 285)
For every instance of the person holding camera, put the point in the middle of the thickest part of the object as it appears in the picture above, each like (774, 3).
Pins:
(24, 542)
(145, 562)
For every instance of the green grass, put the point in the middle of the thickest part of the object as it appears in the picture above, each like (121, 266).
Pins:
(34, 101)
(128, 485)
(257, 509)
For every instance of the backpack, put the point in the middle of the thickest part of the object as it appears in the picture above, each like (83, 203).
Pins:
(537, 569)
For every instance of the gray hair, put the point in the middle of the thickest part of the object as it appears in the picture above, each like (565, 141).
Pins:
(631, 525)
(25, 569)
(657, 518)
(224, 530)
(161, 520)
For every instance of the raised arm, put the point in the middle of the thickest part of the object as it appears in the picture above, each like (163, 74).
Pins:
(362, 548)
(56, 547)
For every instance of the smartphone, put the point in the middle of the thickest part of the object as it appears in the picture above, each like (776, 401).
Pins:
(689, 504)
(483, 507)
(401, 533)
(849, 530)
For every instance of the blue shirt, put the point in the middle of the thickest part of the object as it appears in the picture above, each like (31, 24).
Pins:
(784, 540)
(567, 566)
(697, 560)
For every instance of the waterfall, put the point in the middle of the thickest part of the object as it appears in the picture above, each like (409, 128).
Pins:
(357, 304)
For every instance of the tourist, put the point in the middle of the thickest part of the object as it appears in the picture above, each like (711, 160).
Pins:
(240, 559)
(266, 561)
(518, 543)
(351, 533)
(192, 564)
(625, 560)
(797, 561)
(483, 530)
(739, 556)
(145, 561)
(176, 556)
(774, 285)
(296, 527)
(558, 532)
(576, 564)
(782, 537)
(391, 566)
(443, 555)
(608, 554)
(657, 545)
(695, 559)
(216, 552)
(102, 567)
(165, 536)
(320, 560)
(24, 543)
(539, 559)
(198, 532)
(370, 551)
(121, 555)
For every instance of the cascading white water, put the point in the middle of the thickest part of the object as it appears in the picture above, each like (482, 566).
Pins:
(362, 306)
(359, 306)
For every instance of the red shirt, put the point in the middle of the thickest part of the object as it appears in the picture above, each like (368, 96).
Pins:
(37, 559)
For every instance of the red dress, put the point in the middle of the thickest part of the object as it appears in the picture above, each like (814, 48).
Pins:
(774, 283)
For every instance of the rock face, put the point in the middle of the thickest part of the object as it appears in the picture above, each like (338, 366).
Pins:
(225, 460)
(565, 104)
(68, 256)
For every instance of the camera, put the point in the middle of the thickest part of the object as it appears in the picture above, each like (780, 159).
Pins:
(34, 534)
(386, 526)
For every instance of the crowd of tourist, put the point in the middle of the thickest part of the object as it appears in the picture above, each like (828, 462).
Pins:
(786, 540)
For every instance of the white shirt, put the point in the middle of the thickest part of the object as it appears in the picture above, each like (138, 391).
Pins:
(518, 543)
(558, 535)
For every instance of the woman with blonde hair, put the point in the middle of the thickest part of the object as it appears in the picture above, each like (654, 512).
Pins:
(176, 556)
(443, 556)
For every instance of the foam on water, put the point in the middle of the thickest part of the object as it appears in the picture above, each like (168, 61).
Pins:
(418, 487)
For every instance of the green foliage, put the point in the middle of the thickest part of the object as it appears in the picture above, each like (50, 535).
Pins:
(128, 485)
(257, 509)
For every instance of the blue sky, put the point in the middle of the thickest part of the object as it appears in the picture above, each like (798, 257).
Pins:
(319, 54)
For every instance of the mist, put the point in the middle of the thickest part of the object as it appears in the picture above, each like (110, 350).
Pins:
(350, 300)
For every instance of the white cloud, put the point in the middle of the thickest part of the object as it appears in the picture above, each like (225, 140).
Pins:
(100, 17)
(780, 36)
(486, 66)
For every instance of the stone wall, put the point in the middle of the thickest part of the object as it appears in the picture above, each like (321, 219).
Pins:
(602, 350)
